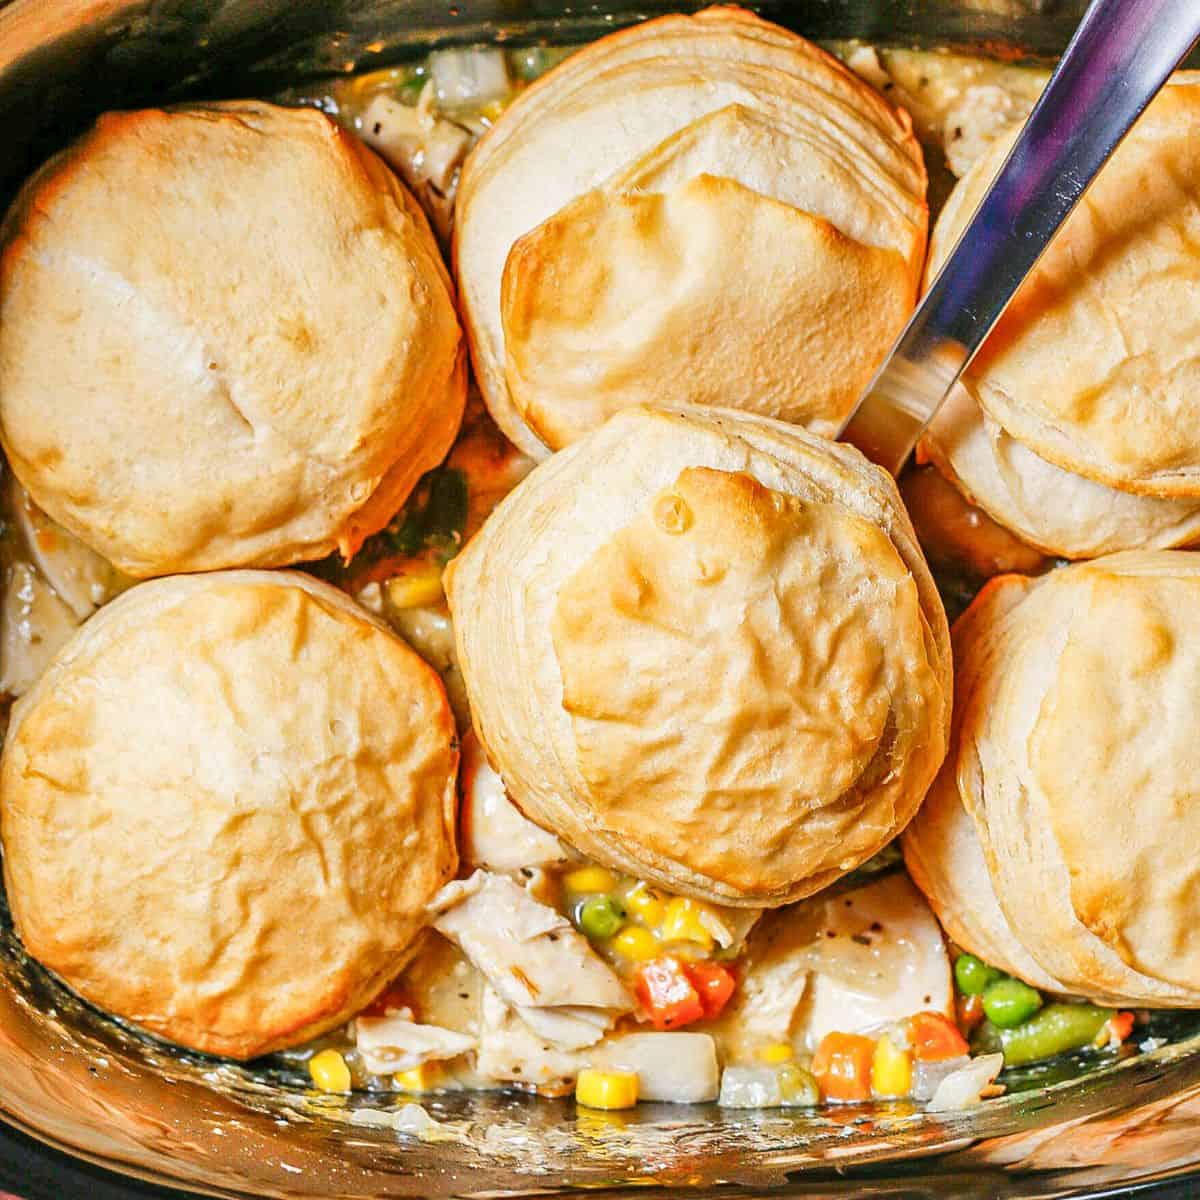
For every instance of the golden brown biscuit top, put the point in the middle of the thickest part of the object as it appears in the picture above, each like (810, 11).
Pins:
(225, 807)
(728, 667)
(1057, 511)
(632, 120)
(709, 293)
(703, 648)
(1076, 760)
(226, 339)
(1115, 752)
(1091, 365)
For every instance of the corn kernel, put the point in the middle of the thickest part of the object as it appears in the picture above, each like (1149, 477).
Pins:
(636, 944)
(329, 1071)
(595, 1124)
(682, 923)
(891, 1069)
(775, 1054)
(419, 585)
(606, 1089)
(492, 109)
(642, 903)
(423, 1078)
(590, 879)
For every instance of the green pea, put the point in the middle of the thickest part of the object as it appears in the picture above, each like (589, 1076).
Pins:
(973, 975)
(599, 917)
(1056, 1029)
(1008, 1002)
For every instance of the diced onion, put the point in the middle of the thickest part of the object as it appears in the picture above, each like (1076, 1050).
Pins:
(928, 1075)
(962, 1088)
(678, 1068)
(469, 78)
(750, 1087)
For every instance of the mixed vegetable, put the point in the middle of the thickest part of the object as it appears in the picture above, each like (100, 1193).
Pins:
(1004, 1015)
(564, 976)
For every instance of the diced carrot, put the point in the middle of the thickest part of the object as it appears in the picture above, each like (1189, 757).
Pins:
(933, 1037)
(713, 982)
(970, 1013)
(1121, 1026)
(666, 994)
(842, 1066)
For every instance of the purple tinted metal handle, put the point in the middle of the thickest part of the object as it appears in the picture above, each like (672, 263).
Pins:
(1121, 55)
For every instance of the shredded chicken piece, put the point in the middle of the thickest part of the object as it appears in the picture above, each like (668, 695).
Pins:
(679, 1067)
(397, 1043)
(495, 833)
(851, 961)
(529, 953)
(34, 624)
(885, 960)
(81, 579)
(775, 977)
(567, 1028)
(510, 1052)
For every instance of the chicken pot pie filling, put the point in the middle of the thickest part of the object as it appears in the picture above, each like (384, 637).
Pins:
(540, 967)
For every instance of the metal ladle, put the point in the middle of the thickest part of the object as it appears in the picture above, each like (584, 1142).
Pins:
(1121, 55)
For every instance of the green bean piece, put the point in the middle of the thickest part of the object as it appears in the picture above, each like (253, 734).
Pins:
(973, 975)
(599, 917)
(1008, 1002)
(1056, 1029)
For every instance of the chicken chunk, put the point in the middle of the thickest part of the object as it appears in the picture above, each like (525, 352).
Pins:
(397, 1043)
(679, 1068)
(850, 961)
(529, 953)
(82, 580)
(880, 957)
(34, 624)
(510, 1052)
